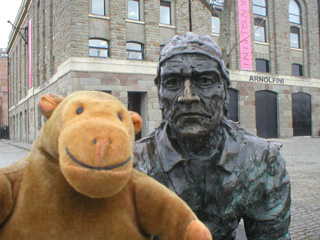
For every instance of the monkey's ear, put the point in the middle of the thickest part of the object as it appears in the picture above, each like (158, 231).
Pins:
(48, 103)
(137, 121)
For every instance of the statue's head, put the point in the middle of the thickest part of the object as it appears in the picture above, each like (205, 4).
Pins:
(192, 84)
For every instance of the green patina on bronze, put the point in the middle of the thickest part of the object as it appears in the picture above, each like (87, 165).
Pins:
(223, 172)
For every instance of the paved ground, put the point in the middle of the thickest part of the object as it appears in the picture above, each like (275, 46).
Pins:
(302, 155)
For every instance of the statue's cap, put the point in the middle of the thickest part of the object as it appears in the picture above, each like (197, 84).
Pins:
(191, 43)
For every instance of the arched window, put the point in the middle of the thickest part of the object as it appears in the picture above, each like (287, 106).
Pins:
(297, 69)
(301, 114)
(134, 51)
(262, 65)
(267, 114)
(98, 48)
(294, 12)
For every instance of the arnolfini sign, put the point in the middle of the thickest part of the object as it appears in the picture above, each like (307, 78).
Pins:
(245, 34)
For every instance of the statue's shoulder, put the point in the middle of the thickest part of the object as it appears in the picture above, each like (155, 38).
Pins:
(142, 144)
(252, 144)
(145, 153)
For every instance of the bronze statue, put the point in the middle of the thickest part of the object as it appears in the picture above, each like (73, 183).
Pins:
(223, 172)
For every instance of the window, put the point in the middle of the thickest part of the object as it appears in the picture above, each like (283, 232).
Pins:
(260, 7)
(294, 37)
(133, 10)
(262, 65)
(215, 21)
(165, 12)
(134, 51)
(98, 48)
(98, 7)
(259, 30)
(294, 12)
(297, 70)
(217, 2)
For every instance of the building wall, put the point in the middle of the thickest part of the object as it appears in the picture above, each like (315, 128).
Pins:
(61, 63)
(3, 68)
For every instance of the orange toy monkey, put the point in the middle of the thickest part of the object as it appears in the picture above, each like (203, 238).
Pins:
(78, 181)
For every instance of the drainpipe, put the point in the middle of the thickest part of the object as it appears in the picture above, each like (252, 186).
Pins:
(190, 16)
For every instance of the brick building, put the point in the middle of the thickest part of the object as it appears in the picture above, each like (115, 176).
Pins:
(113, 46)
(4, 130)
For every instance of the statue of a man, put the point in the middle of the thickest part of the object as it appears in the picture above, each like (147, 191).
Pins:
(222, 172)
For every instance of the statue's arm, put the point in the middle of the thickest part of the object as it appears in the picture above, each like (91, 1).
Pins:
(162, 213)
(6, 197)
(268, 207)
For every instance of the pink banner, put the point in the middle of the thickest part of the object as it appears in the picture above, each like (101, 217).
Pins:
(30, 52)
(245, 34)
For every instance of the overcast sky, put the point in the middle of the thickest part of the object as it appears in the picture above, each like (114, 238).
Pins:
(8, 11)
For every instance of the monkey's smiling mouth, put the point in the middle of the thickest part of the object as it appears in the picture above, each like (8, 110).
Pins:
(97, 168)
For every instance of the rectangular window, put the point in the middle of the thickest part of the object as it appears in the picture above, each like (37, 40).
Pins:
(297, 70)
(134, 51)
(138, 102)
(215, 23)
(262, 65)
(165, 12)
(133, 10)
(259, 30)
(98, 7)
(260, 7)
(294, 37)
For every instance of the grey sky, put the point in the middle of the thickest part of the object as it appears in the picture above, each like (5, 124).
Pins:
(8, 11)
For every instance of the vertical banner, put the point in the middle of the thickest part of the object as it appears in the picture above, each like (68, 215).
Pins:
(30, 51)
(245, 34)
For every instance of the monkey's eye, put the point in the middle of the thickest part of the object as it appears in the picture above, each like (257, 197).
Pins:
(120, 117)
(79, 110)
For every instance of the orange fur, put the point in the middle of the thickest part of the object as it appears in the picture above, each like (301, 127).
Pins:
(78, 181)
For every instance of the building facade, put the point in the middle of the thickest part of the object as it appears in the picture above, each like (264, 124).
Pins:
(113, 46)
(4, 95)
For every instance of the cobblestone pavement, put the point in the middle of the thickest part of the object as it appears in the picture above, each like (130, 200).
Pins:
(302, 155)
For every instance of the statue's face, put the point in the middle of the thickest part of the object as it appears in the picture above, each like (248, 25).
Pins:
(192, 94)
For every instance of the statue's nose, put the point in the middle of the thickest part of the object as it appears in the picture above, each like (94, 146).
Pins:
(188, 95)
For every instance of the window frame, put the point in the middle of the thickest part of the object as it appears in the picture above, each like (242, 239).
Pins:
(217, 3)
(267, 64)
(299, 70)
(169, 6)
(291, 14)
(128, 51)
(260, 26)
(298, 37)
(138, 18)
(258, 6)
(99, 48)
(217, 32)
(104, 8)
